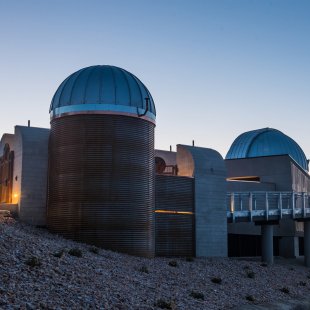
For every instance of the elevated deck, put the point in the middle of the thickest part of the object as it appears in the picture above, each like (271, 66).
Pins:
(267, 209)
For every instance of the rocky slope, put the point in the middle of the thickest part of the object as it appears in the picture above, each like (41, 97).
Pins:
(37, 271)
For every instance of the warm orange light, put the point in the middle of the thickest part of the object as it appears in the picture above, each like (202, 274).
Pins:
(248, 178)
(15, 198)
(173, 212)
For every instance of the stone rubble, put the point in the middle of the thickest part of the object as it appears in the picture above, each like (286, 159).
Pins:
(110, 280)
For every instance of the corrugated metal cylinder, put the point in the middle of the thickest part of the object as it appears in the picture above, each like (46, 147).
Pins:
(101, 181)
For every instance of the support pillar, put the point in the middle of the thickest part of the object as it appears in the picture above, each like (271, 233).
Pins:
(307, 243)
(267, 243)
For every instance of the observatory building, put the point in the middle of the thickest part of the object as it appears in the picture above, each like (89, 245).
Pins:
(101, 160)
(266, 161)
(95, 177)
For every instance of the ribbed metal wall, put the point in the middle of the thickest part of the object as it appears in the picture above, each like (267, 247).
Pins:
(101, 181)
(174, 233)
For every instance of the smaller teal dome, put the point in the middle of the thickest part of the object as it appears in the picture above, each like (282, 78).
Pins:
(103, 89)
(266, 142)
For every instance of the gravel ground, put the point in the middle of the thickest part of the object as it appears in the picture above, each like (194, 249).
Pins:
(37, 272)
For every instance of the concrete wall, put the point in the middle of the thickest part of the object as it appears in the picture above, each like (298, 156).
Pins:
(270, 169)
(32, 144)
(300, 179)
(286, 228)
(280, 172)
(208, 169)
(289, 247)
(237, 186)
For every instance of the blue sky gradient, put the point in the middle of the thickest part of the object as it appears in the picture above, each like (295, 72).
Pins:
(215, 68)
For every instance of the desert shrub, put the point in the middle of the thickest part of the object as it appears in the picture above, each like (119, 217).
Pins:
(250, 274)
(216, 280)
(33, 262)
(144, 269)
(250, 298)
(173, 263)
(285, 290)
(75, 252)
(302, 283)
(163, 304)
(197, 295)
(59, 254)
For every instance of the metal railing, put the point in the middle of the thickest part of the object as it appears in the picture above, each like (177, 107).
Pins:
(267, 204)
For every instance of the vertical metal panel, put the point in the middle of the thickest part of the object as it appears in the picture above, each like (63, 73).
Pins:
(101, 181)
(174, 232)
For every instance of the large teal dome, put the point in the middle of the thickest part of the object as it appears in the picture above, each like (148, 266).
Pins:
(103, 89)
(266, 142)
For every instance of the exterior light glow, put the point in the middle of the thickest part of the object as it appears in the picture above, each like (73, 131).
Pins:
(174, 212)
(15, 198)
(244, 179)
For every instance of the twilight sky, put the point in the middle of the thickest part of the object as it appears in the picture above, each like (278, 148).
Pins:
(214, 68)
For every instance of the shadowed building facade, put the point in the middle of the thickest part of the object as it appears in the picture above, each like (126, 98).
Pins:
(95, 177)
(91, 177)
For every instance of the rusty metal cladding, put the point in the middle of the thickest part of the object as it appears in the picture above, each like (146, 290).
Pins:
(101, 181)
(174, 233)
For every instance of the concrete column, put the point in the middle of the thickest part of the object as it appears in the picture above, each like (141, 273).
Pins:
(307, 243)
(208, 169)
(267, 243)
